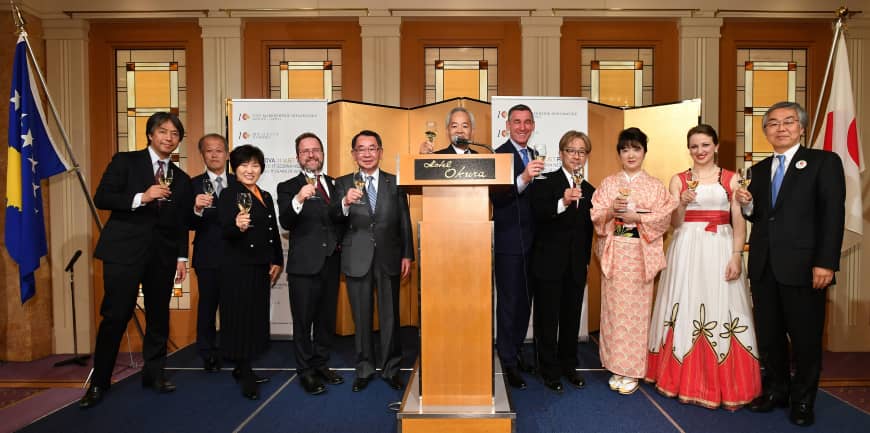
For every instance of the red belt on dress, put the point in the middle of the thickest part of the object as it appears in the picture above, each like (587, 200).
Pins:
(713, 218)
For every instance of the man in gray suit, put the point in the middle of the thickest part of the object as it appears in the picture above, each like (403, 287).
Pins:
(376, 251)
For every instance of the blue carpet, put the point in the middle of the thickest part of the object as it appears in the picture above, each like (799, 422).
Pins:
(339, 410)
(210, 402)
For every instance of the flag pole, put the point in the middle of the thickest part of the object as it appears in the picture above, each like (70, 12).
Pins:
(842, 14)
(19, 22)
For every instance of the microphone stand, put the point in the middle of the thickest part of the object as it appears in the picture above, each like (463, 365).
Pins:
(76, 359)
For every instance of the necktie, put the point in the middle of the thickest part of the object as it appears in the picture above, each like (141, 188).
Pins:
(319, 187)
(218, 186)
(777, 179)
(371, 193)
(159, 174)
(524, 153)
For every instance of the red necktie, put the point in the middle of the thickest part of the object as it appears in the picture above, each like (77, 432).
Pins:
(319, 187)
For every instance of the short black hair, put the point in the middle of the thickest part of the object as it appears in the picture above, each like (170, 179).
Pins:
(521, 107)
(246, 153)
(366, 133)
(202, 139)
(705, 129)
(160, 118)
(631, 137)
(305, 135)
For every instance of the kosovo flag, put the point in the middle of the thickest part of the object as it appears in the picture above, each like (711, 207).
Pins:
(32, 157)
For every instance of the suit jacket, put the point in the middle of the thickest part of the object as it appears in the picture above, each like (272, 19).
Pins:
(313, 235)
(449, 151)
(130, 233)
(208, 242)
(512, 211)
(258, 245)
(381, 239)
(804, 228)
(562, 240)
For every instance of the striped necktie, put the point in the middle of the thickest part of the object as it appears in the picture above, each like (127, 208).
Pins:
(371, 192)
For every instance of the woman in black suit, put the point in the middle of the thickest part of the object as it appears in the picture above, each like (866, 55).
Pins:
(251, 263)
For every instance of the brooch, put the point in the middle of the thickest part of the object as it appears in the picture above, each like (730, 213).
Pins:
(800, 164)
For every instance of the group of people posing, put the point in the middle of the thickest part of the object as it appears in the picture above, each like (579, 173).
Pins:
(703, 339)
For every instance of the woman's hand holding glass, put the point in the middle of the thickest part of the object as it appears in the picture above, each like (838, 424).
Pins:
(243, 218)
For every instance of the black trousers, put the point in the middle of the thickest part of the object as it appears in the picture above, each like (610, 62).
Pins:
(313, 300)
(361, 293)
(513, 306)
(788, 313)
(206, 311)
(121, 283)
(557, 323)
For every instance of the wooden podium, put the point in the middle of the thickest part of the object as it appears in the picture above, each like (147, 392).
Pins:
(456, 385)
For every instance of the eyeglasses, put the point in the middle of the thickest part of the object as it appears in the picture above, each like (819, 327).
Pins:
(788, 122)
(310, 151)
(575, 152)
(364, 150)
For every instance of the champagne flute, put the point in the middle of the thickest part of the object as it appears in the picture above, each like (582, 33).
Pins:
(744, 177)
(243, 199)
(624, 192)
(692, 180)
(311, 179)
(208, 188)
(359, 181)
(578, 175)
(431, 133)
(540, 155)
(166, 180)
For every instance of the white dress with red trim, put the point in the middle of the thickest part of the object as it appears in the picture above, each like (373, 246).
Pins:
(702, 346)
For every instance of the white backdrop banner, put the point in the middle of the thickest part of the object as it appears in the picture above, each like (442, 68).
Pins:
(273, 125)
(553, 117)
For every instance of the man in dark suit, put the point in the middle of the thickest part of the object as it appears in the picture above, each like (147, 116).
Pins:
(460, 130)
(208, 244)
(144, 242)
(563, 241)
(514, 230)
(796, 204)
(376, 251)
(312, 263)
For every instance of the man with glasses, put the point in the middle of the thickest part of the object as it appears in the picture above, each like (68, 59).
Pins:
(560, 256)
(312, 263)
(797, 206)
(376, 251)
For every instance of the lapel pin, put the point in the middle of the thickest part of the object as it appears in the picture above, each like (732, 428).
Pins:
(801, 164)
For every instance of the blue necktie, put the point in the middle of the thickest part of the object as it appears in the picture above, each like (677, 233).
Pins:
(524, 153)
(777, 179)
(371, 193)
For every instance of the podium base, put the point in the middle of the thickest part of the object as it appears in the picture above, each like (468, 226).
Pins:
(415, 417)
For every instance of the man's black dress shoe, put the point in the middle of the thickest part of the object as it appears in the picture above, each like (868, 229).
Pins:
(159, 384)
(92, 397)
(250, 390)
(395, 381)
(767, 402)
(237, 375)
(514, 379)
(575, 378)
(554, 384)
(329, 376)
(360, 383)
(312, 385)
(802, 415)
(211, 364)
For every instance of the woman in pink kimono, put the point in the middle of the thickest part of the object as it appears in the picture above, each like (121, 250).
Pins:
(631, 212)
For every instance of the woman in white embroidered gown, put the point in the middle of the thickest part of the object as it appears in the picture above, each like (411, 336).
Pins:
(702, 346)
